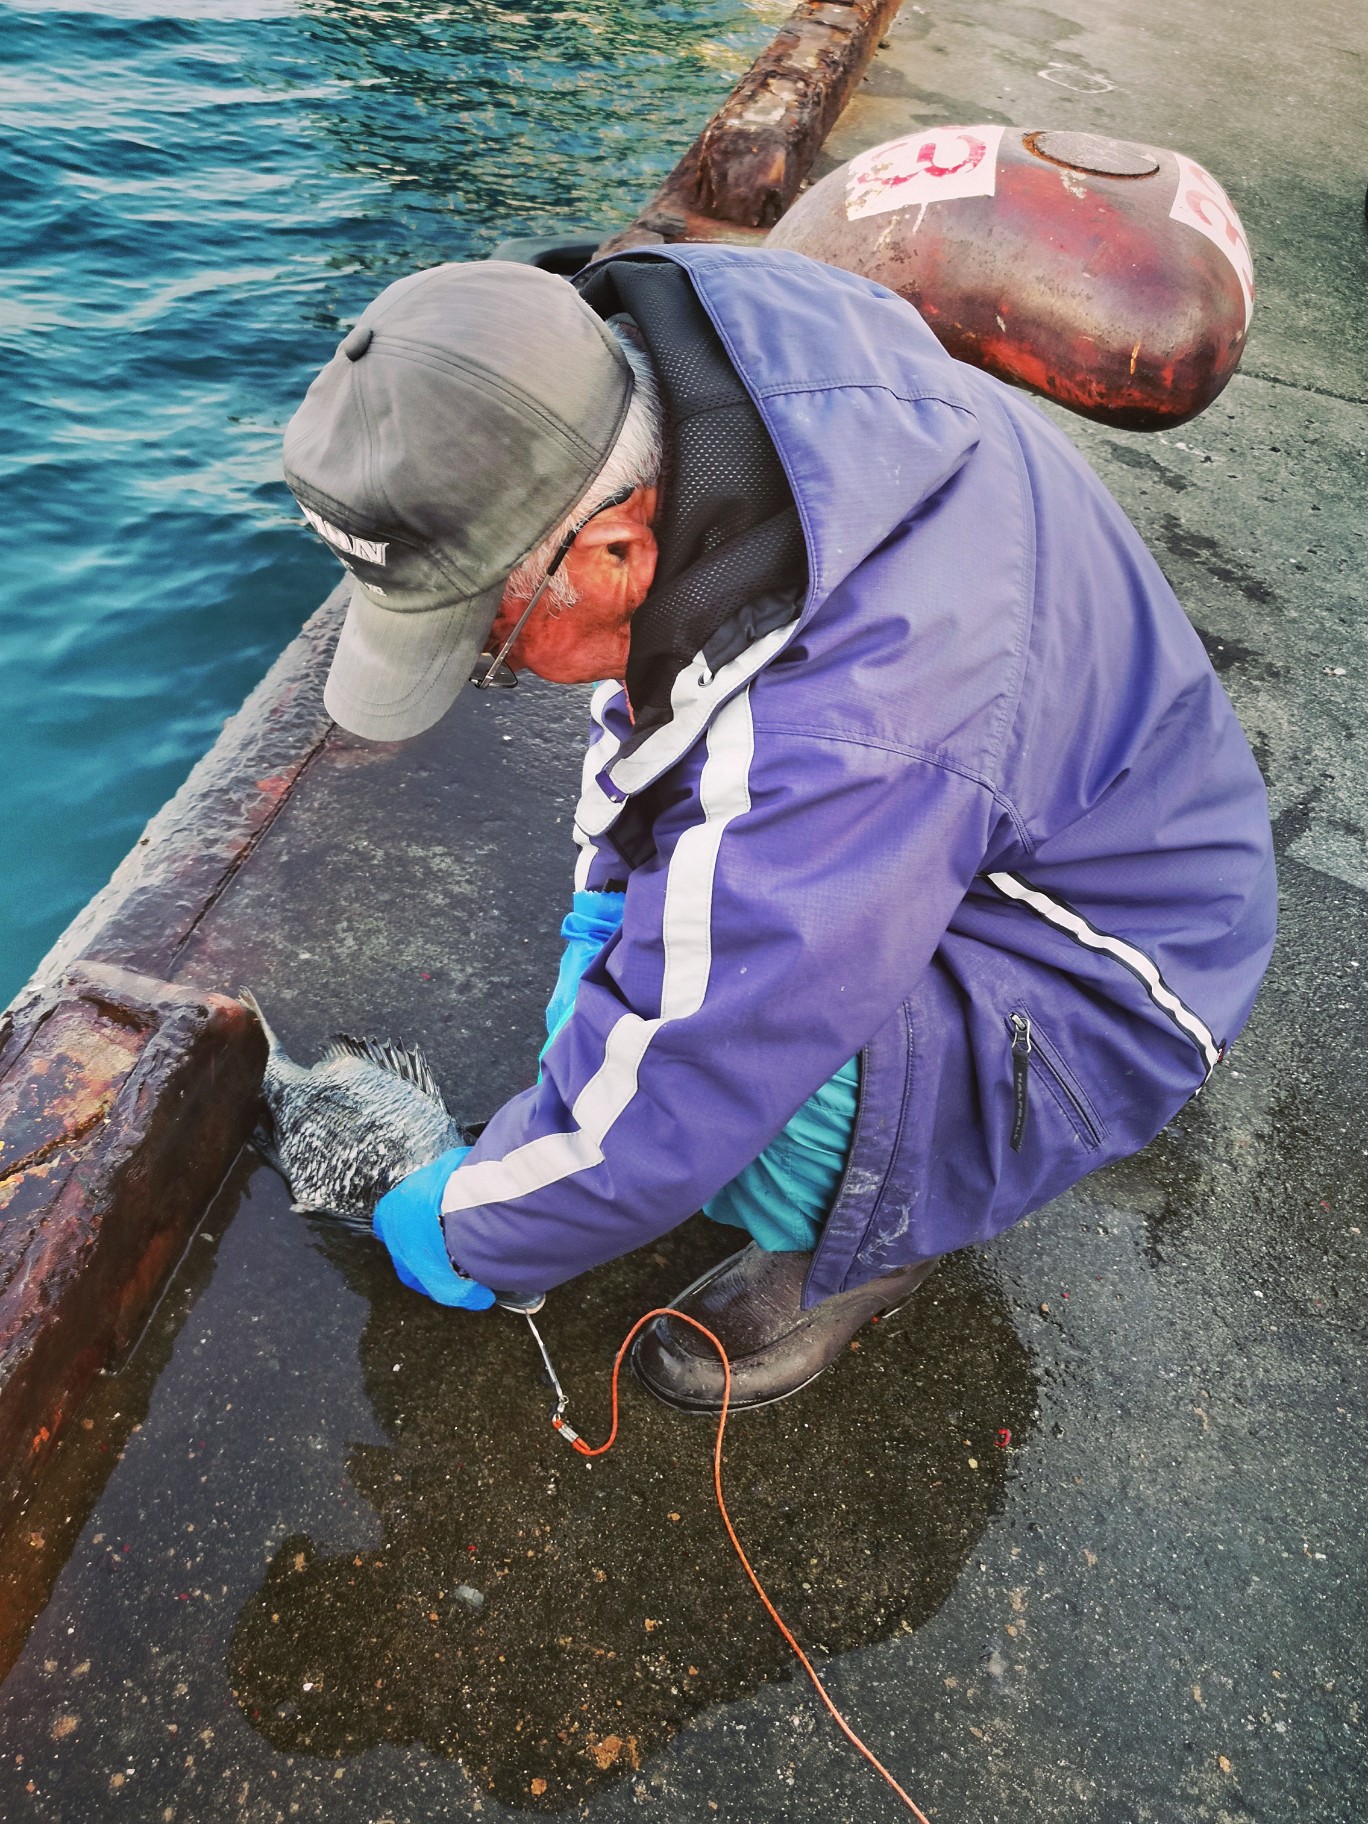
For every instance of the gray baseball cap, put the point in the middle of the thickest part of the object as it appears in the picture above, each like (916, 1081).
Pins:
(457, 425)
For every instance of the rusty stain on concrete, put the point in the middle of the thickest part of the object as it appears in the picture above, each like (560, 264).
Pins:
(146, 914)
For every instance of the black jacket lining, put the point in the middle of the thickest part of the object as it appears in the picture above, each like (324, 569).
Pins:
(733, 564)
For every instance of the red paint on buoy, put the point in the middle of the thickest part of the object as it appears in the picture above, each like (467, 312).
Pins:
(1111, 276)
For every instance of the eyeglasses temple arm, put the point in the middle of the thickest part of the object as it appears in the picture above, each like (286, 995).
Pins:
(562, 552)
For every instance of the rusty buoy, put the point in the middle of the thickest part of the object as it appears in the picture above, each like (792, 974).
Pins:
(1111, 276)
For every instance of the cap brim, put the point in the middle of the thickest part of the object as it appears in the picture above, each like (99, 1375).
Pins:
(396, 673)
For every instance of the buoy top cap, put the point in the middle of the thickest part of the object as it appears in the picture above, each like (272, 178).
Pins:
(1093, 154)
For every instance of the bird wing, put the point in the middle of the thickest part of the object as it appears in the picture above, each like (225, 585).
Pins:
(403, 1061)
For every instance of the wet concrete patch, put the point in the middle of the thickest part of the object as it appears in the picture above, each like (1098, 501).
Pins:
(1144, 463)
(552, 1621)
(1225, 653)
(326, 1523)
(1211, 555)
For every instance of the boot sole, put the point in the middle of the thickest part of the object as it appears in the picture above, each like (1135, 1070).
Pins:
(678, 1405)
(711, 1412)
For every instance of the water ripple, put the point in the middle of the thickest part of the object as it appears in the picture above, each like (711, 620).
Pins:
(200, 195)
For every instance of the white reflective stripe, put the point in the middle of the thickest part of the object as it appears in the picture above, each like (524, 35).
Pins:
(583, 861)
(368, 548)
(597, 756)
(1078, 928)
(692, 703)
(724, 795)
(602, 696)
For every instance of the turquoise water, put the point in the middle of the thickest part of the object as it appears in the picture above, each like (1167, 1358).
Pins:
(198, 196)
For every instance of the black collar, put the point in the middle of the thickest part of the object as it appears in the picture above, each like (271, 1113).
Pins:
(732, 564)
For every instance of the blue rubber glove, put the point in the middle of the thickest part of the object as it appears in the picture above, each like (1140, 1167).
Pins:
(408, 1219)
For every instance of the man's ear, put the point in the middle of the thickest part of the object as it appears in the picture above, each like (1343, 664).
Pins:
(615, 555)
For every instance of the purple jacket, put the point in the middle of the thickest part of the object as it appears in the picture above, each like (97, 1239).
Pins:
(982, 814)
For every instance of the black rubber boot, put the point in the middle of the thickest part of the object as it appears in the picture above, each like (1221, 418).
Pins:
(753, 1304)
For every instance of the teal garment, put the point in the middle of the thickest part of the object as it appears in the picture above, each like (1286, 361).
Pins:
(783, 1198)
(591, 921)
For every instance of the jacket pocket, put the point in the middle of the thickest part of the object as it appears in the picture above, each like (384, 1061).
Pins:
(1035, 1061)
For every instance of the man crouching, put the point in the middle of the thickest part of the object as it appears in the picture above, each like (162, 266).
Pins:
(924, 867)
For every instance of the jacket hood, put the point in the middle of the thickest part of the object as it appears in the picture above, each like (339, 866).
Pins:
(854, 367)
(870, 419)
(732, 558)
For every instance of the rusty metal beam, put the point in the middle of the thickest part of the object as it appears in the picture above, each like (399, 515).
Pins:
(747, 165)
(123, 1102)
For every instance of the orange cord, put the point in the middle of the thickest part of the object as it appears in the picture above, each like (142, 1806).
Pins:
(587, 1450)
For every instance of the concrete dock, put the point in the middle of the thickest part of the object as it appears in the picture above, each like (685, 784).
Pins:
(1078, 1536)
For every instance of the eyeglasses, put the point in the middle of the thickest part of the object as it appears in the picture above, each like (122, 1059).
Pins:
(491, 672)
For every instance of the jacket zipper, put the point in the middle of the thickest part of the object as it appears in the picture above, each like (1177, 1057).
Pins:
(845, 1174)
(1030, 1048)
(1021, 1077)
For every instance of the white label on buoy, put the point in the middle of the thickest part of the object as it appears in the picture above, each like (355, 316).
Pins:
(936, 165)
(1203, 205)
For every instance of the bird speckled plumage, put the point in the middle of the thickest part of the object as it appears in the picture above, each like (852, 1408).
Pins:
(345, 1129)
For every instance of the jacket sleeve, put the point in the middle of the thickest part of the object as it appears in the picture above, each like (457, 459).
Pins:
(800, 885)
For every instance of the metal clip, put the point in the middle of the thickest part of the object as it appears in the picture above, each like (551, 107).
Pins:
(561, 1400)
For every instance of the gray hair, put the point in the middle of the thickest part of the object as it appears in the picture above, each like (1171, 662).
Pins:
(634, 462)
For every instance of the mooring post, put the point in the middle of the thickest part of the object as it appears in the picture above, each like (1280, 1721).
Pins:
(748, 163)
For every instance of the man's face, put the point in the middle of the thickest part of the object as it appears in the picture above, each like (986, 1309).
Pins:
(611, 565)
